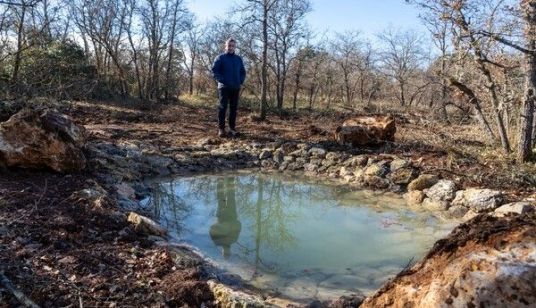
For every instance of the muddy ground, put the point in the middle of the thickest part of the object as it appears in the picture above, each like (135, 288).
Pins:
(61, 251)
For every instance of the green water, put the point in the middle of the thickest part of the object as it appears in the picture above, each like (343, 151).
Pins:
(289, 237)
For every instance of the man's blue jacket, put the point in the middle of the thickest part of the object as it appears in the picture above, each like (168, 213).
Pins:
(229, 71)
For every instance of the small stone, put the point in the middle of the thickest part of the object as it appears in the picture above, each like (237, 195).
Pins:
(125, 190)
(268, 163)
(376, 182)
(310, 168)
(345, 171)
(317, 152)
(515, 207)
(402, 176)
(265, 154)
(469, 215)
(328, 163)
(458, 211)
(298, 153)
(423, 181)
(288, 147)
(278, 156)
(333, 156)
(377, 169)
(357, 161)
(435, 205)
(399, 163)
(414, 197)
(145, 225)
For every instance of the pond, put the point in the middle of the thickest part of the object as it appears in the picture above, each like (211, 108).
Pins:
(293, 237)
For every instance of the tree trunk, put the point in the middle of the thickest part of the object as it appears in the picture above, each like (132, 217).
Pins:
(18, 54)
(264, 71)
(527, 110)
(473, 100)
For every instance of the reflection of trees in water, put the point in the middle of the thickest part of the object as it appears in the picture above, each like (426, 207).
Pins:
(271, 205)
(170, 200)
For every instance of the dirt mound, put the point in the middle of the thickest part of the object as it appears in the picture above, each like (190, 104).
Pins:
(488, 261)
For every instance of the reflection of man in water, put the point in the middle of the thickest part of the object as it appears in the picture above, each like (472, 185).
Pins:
(226, 230)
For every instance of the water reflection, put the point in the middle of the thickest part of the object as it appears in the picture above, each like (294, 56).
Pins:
(225, 231)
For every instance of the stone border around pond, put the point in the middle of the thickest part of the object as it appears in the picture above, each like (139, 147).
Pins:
(131, 163)
(124, 167)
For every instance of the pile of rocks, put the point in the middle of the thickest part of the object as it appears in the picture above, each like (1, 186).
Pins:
(434, 194)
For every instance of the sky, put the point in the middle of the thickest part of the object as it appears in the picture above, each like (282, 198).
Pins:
(367, 16)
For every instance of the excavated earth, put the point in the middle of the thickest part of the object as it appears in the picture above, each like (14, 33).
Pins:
(65, 239)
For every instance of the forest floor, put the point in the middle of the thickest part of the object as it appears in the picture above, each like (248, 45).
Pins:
(61, 252)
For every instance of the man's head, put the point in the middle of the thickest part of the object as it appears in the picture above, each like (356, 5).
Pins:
(230, 45)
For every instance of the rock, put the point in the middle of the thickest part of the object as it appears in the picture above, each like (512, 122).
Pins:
(357, 161)
(288, 147)
(37, 139)
(299, 153)
(399, 163)
(480, 200)
(423, 181)
(435, 205)
(125, 190)
(317, 152)
(414, 197)
(295, 166)
(304, 146)
(333, 156)
(402, 176)
(265, 153)
(268, 164)
(283, 166)
(348, 301)
(159, 163)
(443, 190)
(328, 163)
(344, 171)
(458, 211)
(376, 181)
(515, 207)
(487, 262)
(366, 130)
(469, 215)
(278, 156)
(225, 296)
(145, 225)
(378, 169)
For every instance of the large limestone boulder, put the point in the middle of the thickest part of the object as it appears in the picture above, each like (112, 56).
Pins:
(42, 139)
(479, 200)
(366, 130)
(443, 190)
(488, 262)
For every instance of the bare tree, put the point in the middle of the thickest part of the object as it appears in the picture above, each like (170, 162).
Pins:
(401, 59)
(258, 12)
(191, 49)
(286, 28)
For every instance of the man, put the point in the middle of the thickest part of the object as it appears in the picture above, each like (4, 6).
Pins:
(229, 72)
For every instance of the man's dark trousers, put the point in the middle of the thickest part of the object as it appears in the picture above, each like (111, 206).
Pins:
(227, 97)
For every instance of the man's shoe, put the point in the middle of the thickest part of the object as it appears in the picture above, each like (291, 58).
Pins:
(233, 132)
(221, 133)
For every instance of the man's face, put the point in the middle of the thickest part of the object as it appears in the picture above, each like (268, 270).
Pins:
(230, 47)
